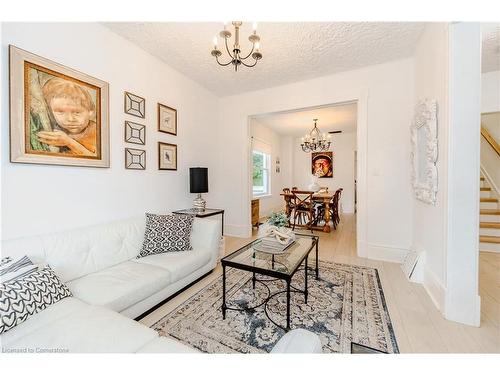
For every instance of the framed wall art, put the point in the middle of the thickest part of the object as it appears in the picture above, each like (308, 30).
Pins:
(167, 156)
(134, 105)
(322, 164)
(135, 133)
(135, 158)
(167, 119)
(58, 115)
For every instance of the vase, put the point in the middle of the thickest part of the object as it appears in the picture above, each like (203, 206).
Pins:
(314, 186)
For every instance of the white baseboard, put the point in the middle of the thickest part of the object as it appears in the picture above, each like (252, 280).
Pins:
(383, 253)
(434, 288)
(243, 231)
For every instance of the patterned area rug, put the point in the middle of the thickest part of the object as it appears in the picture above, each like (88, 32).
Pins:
(345, 305)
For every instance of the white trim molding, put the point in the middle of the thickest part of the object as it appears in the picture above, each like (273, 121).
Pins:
(241, 231)
(434, 288)
(424, 153)
(383, 252)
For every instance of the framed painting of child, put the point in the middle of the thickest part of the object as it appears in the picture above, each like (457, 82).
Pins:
(57, 115)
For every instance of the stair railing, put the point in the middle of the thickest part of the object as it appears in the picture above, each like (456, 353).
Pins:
(489, 138)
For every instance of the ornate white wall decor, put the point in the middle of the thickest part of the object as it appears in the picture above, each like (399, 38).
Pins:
(424, 151)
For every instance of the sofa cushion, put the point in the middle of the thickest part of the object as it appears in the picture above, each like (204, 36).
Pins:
(166, 345)
(27, 295)
(52, 313)
(92, 329)
(298, 341)
(76, 253)
(120, 286)
(178, 264)
(166, 233)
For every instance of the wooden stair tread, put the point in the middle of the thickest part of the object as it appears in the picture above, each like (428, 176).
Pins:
(482, 178)
(493, 200)
(489, 224)
(485, 189)
(489, 239)
(488, 211)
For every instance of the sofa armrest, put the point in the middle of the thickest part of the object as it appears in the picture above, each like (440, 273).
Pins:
(298, 341)
(206, 234)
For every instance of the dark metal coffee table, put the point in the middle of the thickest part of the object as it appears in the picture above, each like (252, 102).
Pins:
(277, 266)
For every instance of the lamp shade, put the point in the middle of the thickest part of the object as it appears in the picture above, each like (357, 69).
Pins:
(198, 180)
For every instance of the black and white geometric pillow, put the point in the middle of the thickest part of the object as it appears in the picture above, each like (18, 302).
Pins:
(165, 233)
(28, 295)
(11, 269)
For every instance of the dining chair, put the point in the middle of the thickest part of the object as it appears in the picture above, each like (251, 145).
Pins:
(334, 210)
(303, 209)
(288, 204)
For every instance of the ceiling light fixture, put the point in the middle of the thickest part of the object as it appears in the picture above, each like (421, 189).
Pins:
(235, 56)
(315, 140)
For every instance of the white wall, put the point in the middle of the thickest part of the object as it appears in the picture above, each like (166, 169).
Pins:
(42, 198)
(385, 112)
(447, 68)
(279, 148)
(490, 92)
(343, 146)
(429, 222)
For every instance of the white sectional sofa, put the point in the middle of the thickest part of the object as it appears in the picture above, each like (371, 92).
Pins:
(109, 287)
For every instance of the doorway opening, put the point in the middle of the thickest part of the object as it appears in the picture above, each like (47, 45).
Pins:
(279, 164)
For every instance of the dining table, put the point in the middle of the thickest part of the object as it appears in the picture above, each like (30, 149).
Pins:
(320, 197)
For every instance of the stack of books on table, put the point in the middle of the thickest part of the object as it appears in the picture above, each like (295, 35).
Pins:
(272, 245)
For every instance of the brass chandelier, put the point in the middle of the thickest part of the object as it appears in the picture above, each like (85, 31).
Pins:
(235, 56)
(315, 140)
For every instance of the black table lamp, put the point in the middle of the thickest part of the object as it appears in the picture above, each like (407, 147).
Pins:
(198, 183)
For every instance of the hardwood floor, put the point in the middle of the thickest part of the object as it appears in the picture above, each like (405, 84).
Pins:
(419, 326)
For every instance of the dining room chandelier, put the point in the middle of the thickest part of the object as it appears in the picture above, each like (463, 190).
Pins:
(236, 57)
(315, 140)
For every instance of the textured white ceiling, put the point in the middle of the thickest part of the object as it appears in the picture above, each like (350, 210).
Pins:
(291, 51)
(298, 123)
(491, 47)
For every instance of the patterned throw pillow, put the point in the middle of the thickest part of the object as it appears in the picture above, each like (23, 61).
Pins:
(11, 269)
(28, 295)
(165, 233)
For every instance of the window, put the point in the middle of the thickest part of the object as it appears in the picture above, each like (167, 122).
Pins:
(261, 176)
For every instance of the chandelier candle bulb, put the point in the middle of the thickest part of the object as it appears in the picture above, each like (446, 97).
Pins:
(254, 27)
(215, 42)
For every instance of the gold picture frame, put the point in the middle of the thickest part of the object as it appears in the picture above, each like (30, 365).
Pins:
(58, 115)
